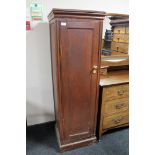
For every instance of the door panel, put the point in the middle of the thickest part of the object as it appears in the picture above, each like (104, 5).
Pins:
(79, 52)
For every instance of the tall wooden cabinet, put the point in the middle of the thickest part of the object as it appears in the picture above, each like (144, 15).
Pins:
(75, 56)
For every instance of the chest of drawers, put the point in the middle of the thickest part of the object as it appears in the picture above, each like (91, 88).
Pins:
(120, 35)
(113, 108)
(114, 102)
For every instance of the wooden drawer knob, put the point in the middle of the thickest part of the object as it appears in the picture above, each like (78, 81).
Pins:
(119, 106)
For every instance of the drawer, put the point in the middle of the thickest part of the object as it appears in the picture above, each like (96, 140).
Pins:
(115, 106)
(124, 38)
(119, 29)
(119, 47)
(103, 70)
(115, 92)
(115, 120)
(127, 30)
(118, 53)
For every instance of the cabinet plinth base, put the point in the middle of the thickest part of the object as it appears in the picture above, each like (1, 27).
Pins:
(74, 145)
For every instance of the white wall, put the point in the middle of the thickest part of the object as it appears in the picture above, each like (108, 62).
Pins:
(39, 100)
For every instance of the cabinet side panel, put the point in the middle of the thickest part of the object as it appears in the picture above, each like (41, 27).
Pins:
(54, 67)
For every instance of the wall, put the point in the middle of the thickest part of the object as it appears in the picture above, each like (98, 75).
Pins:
(39, 97)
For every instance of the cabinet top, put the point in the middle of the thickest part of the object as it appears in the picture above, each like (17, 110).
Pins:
(73, 13)
(114, 78)
(121, 20)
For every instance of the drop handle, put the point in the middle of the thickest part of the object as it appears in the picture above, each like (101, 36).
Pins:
(94, 69)
(119, 106)
(118, 120)
(120, 92)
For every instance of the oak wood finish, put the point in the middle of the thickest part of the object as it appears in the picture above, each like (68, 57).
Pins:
(116, 92)
(114, 85)
(120, 38)
(114, 100)
(127, 30)
(119, 47)
(115, 60)
(116, 15)
(75, 49)
(120, 31)
(103, 70)
(115, 78)
(115, 120)
(114, 106)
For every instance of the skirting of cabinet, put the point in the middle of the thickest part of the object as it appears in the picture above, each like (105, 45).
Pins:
(74, 145)
(119, 126)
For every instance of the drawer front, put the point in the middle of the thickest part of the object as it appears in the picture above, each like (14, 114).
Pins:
(124, 38)
(119, 29)
(103, 71)
(115, 92)
(127, 30)
(115, 120)
(115, 106)
(118, 53)
(119, 47)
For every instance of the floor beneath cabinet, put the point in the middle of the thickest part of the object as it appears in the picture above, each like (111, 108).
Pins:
(41, 140)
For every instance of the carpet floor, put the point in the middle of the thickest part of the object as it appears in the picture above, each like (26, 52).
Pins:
(41, 140)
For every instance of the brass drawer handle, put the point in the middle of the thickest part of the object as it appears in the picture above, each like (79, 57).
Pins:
(118, 120)
(119, 106)
(120, 92)
(94, 69)
(119, 31)
(118, 39)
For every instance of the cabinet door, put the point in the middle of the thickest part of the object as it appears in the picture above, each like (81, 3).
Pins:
(79, 51)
